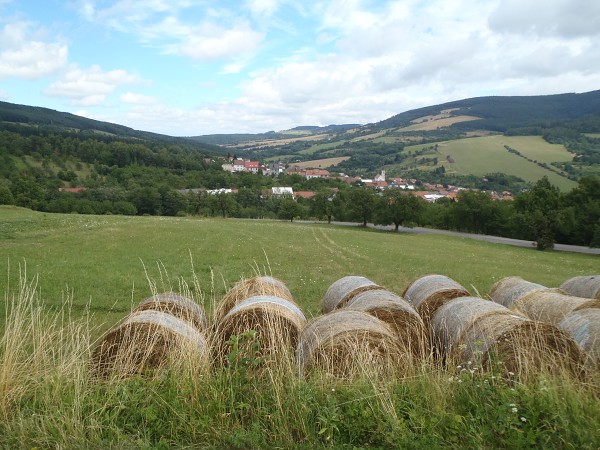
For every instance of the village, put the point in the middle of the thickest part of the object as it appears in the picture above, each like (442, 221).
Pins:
(429, 192)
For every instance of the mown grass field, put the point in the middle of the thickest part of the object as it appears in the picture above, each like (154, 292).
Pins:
(482, 155)
(106, 260)
(103, 264)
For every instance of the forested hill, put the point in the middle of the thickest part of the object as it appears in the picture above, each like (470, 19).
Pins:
(502, 113)
(53, 121)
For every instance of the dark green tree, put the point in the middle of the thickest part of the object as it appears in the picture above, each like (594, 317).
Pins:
(288, 208)
(322, 204)
(398, 207)
(361, 204)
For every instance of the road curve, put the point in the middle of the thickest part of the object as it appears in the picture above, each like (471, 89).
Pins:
(479, 237)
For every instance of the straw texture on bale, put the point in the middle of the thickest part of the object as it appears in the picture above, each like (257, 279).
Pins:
(260, 285)
(552, 307)
(430, 292)
(345, 343)
(178, 306)
(584, 286)
(518, 345)
(584, 327)
(455, 317)
(510, 289)
(344, 289)
(277, 321)
(148, 340)
(398, 314)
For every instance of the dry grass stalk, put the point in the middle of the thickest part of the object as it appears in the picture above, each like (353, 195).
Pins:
(510, 289)
(584, 327)
(344, 289)
(250, 287)
(178, 306)
(552, 307)
(583, 286)
(347, 343)
(146, 341)
(277, 321)
(398, 314)
(430, 292)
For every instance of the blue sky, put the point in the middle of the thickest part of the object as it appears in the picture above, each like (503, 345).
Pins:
(191, 67)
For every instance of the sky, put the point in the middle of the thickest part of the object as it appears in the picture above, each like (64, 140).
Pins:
(193, 67)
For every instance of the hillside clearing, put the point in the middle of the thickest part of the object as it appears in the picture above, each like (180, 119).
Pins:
(435, 122)
(481, 155)
(321, 163)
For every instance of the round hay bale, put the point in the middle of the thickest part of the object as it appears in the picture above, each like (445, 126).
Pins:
(276, 321)
(584, 327)
(145, 341)
(517, 345)
(344, 289)
(453, 318)
(583, 286)
(550, 306)
(346, 343)
(176, 305)
(251, 287)
(398, 314)
(510, 289)
(430, 292)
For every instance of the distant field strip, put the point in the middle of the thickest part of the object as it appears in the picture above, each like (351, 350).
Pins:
(436, 123)
(321, 163)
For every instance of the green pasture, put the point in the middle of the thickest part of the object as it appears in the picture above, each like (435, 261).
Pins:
(322, 145)
(482, 155)
(106, 262)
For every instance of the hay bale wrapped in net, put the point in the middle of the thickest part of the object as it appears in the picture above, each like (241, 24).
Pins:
(344, 289)
(584, 327)
(345, 343)
(176, 305)
(583, 286)
(398, 314)
(489, 335)
(146, 341)
(250, 287)
(276, 321)
(551, 306)
(430, 292)
(510, 289)
(453, 318)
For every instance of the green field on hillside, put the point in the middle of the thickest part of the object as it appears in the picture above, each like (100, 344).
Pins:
(482, 155)
(103, 260)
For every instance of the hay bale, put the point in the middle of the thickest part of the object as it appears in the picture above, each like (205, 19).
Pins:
(145, 341)
(430, 292)
(551, 306)
(517, 345)
(176, 305)
(398, 314)
(454, 318)
(510, 289)
(251, 287)
(345, 343)
(344, 289)
(277, 321)
(584, 327)
(583, 286)
(483, 332)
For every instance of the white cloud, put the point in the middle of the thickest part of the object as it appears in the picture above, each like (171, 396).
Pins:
(27, 58)
(565, 18)
(89, 87)
(210, 42)
(138, 99)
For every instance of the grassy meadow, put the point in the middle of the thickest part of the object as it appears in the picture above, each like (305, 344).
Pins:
(71, 277)
(481, 155)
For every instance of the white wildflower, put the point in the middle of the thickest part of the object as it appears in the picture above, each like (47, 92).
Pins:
(514, 410)
(523, 419)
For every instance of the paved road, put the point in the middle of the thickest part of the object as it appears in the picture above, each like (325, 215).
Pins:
(480, 237)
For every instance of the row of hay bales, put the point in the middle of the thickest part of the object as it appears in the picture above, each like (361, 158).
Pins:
(365, 327)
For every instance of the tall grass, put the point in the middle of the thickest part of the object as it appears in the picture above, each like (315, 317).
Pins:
(48, 399)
